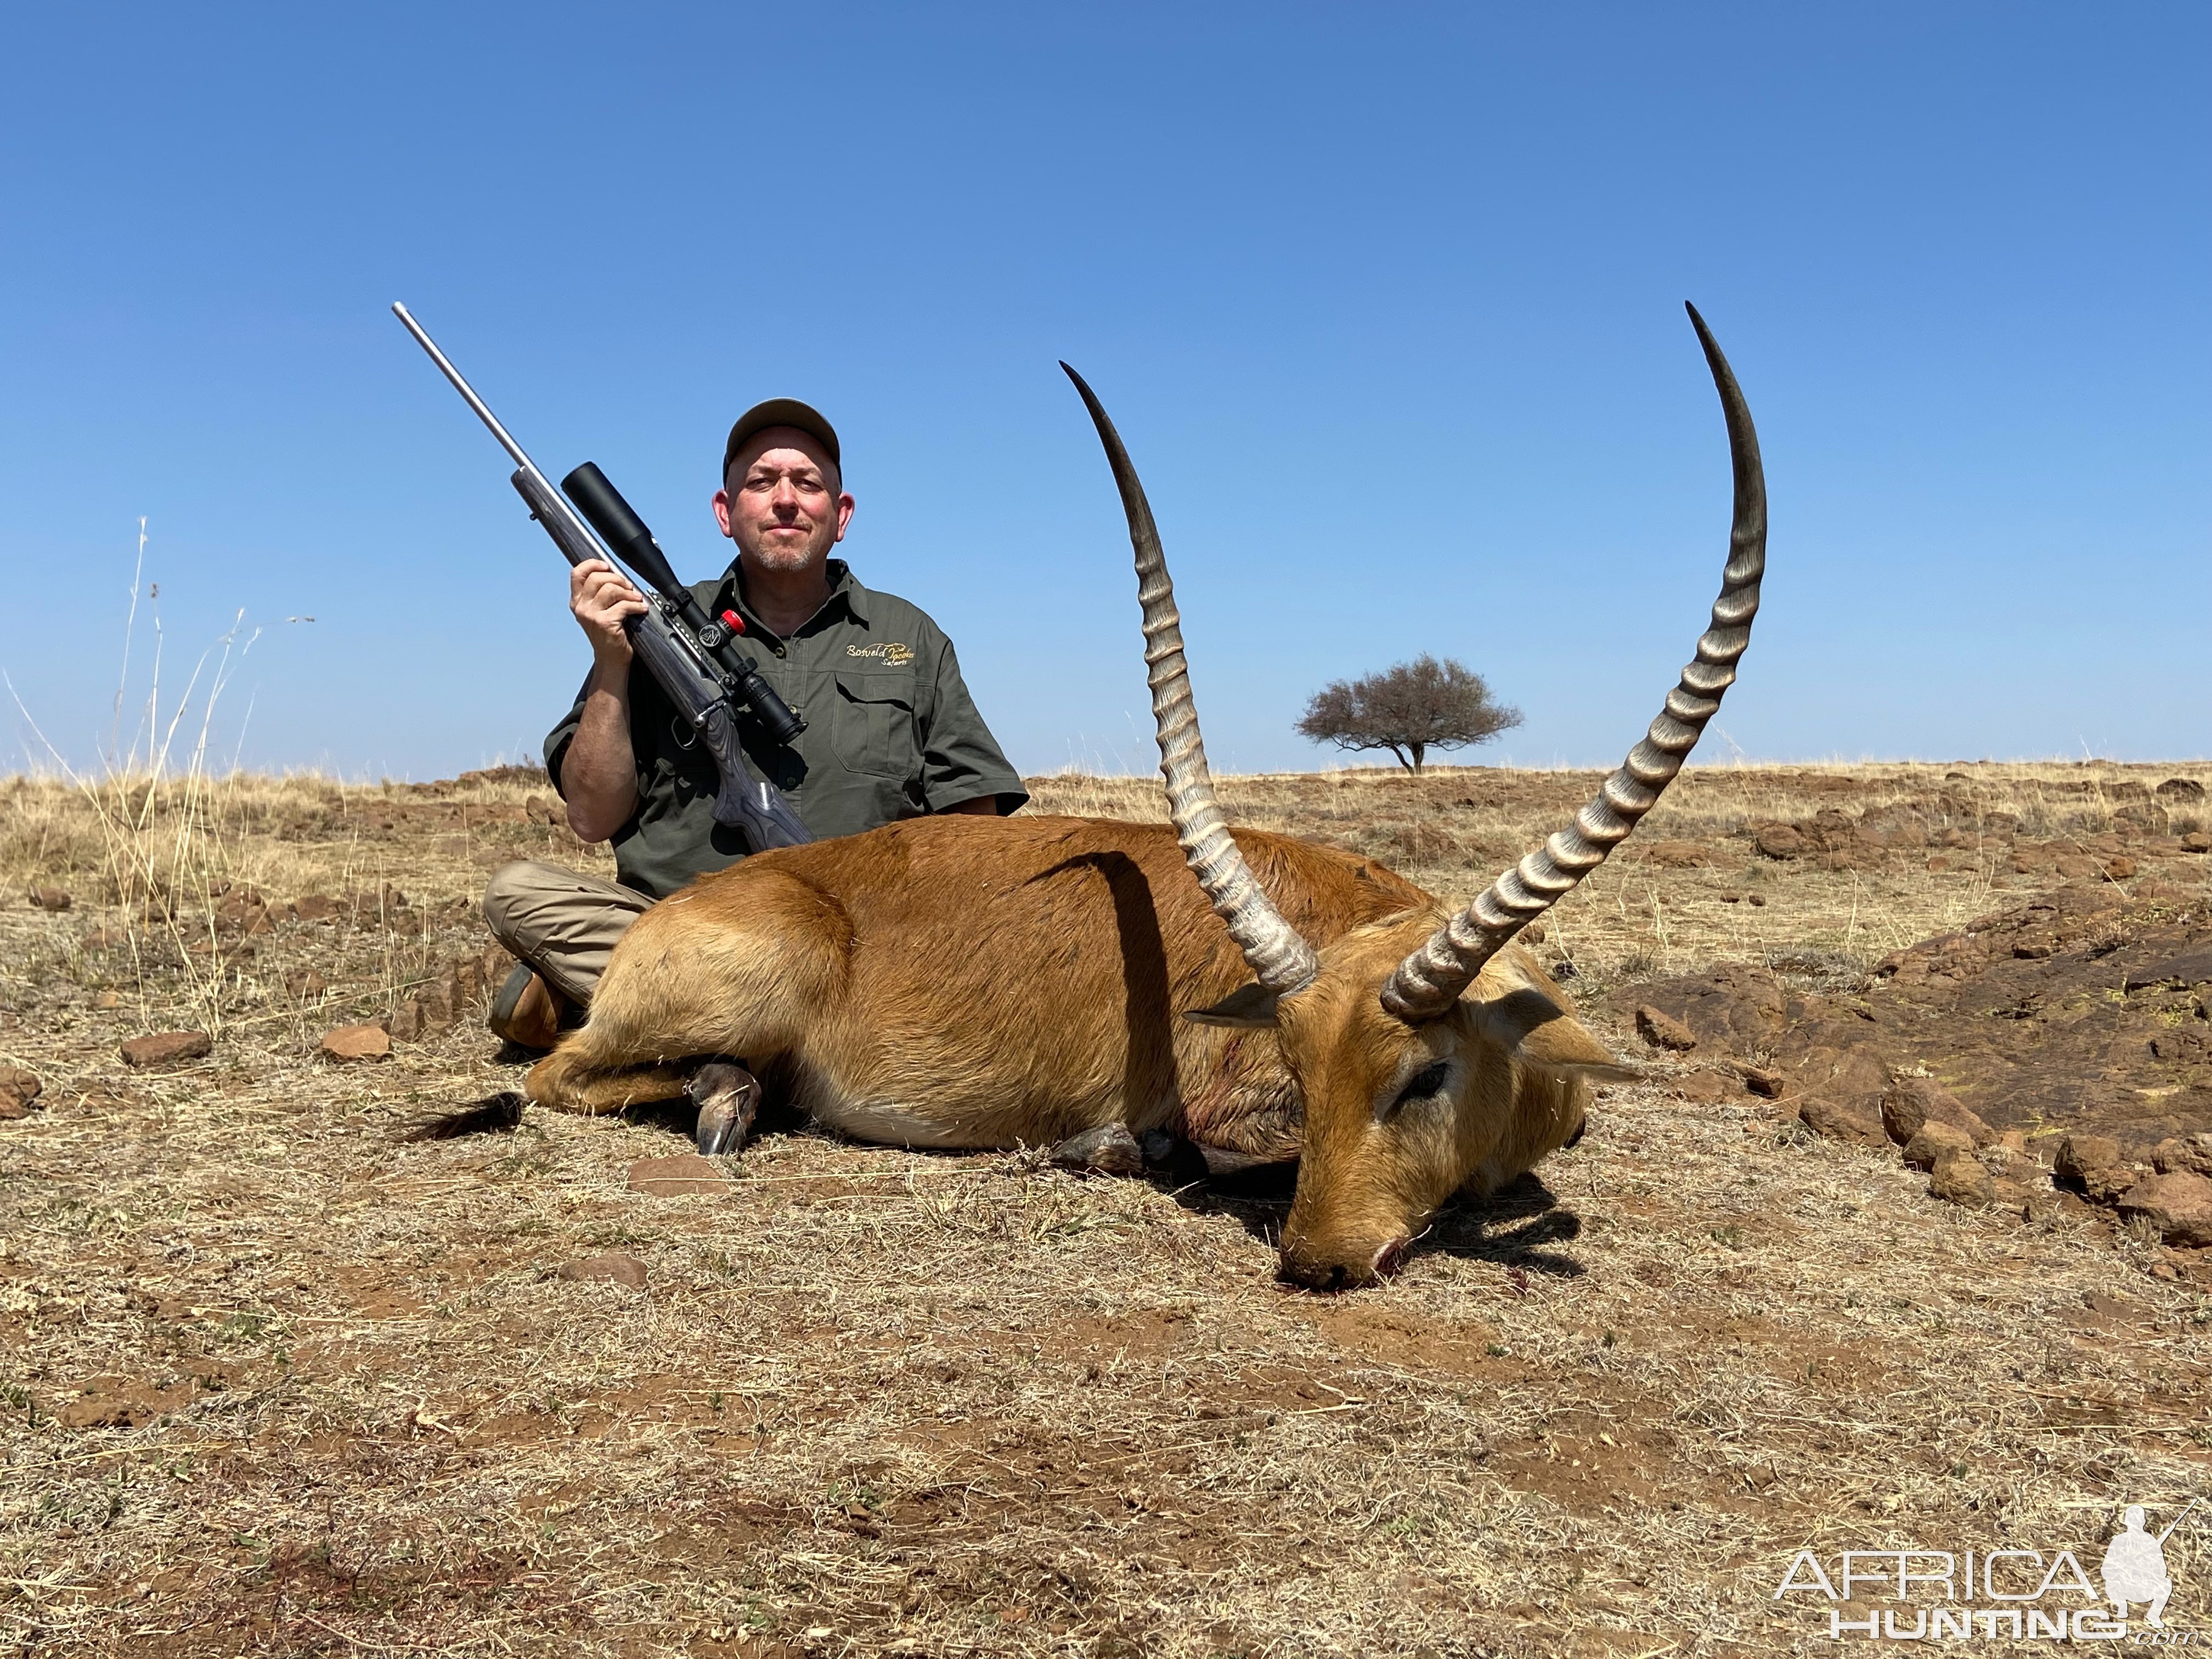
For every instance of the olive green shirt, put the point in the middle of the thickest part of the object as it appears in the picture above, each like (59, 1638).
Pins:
(891, 733)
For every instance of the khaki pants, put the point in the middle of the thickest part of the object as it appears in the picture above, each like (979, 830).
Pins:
(564, 925)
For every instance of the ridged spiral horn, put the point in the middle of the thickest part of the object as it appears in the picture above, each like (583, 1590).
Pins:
(1427, 983)
(1281, 960)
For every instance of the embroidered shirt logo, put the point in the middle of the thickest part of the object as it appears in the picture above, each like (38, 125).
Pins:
(890, 652)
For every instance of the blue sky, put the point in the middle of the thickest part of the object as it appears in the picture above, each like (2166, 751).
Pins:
(1386, 301)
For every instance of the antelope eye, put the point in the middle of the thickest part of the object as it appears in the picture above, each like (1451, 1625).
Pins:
(1428, 1080)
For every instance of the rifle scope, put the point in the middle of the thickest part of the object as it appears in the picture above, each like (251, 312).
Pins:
(633, 544)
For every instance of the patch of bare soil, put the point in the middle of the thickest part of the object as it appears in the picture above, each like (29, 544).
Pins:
(283, 1375)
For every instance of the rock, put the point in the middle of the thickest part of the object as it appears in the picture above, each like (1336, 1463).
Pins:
(1708, 1088)
(1534, 933)
(2091, 1166)
(2080, 1156)
(1959, 1179)
(1838, 1121)
(673, 1177)
(1677, 855)
(51, 898)
(165, 1047)
(316, 907)
(2150, 889)
(2075, 866)
(18, 1091)
(307, 986)
(1910, 1102)
(108, 1000)
(2108, 1186)
(1777, 840)
(352, 1043)
(1762, 1080)
(447, 997)
(2196, 841)
(243, 912)
(1853, 1077)
(2189, 968)
(1935, 1142)
(2179, 1205)
(611, 1265)
(1757, 901)
(1663, 1031)
(2180, 789)
(2119, 869)
(2181, 1155)
(1732, 1007)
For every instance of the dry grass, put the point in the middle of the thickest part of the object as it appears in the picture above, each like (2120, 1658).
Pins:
(280, 1380)
(1454, 829)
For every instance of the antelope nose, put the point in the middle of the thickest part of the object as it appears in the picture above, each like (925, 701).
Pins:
(1322, 1273)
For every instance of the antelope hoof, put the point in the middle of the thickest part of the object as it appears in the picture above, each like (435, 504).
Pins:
(1111, 1150)
(727, 1097)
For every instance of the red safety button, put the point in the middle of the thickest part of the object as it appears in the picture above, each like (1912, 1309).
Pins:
(733, 621)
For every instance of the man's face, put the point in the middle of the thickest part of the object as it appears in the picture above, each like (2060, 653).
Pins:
(781, 503)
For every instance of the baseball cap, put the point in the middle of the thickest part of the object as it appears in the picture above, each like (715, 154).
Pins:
(781, 412)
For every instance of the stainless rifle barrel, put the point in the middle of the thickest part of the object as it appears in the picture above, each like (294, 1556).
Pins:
(485, 414)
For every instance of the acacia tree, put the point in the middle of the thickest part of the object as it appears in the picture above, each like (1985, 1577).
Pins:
(1409, 709)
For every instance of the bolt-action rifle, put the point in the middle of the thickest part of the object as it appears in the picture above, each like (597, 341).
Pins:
(694, 656)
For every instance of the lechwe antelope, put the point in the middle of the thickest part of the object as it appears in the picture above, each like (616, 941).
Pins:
(984, 983)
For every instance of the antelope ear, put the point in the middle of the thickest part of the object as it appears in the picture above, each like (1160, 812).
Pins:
(1564, 1046)
(1539, 1031)
(1252, 1007)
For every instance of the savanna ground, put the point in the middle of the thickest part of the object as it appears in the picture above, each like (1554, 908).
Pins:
(280, 1377)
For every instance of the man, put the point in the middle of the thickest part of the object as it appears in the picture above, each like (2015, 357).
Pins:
(890, 730)
(2135, 1568)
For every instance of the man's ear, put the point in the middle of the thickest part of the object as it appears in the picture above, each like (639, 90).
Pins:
(1252, 1007)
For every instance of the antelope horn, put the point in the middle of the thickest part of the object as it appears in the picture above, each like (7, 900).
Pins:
(1282, 961)
(1428, 983)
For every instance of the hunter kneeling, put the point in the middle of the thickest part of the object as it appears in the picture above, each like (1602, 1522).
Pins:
(890, 730)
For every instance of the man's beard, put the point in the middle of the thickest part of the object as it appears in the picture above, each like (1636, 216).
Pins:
(781, 555)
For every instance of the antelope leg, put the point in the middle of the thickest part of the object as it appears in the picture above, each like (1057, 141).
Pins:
(727, 1095)
(1109, 1150)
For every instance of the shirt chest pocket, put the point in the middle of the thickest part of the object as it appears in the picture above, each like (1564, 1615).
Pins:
(871, 725)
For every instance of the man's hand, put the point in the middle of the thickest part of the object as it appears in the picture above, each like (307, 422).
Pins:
(599, 777)
(601, 600)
